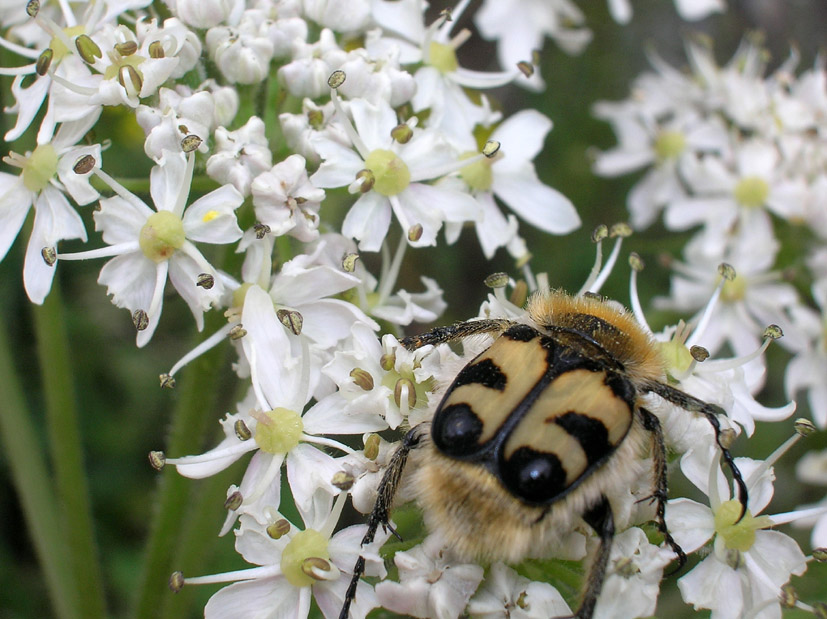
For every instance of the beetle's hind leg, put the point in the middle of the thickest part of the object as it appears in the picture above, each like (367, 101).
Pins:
(659, 495)
(601, 519)
(456, 331)
(381, 509)
(711, 412)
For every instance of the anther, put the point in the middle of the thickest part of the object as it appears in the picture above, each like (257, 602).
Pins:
(788, 596)
(804, 427)
(727, 438)
(636, 262)
(401, 384)
(621, 230)
(699, 353)
(190, 143)
(726, 271)
(820, 610)
(366, 179)
(415, 233)
(234, 501)
(167, 381)
(140, 319)
(176, 581)
(387, 361)
(49, 255)
(318, 568)
(496, 280)
(44, 61)
(291, 319)
(372, 447)
(336, 79)
(773, 332)
(156, 50)
(126, 48)
(32, 8)
(343, 481)
(278, 529)
(261, 230)
(88, 50)
(129, 78)
(362, 378)
(820, 555)
(349, 262)
(519, 294)
(84, 165)
(600, 233)
(526, 68)
(157, 460)
(242, 432)
(402, 133)
(237, 332)
(491, 148)
(205, 281)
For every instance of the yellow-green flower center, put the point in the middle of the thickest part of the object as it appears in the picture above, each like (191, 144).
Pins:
(478, 174)
(303, 546)
(751, 191)
(734, 290)
(669, 145)
(442, 57)
(676, 356)
(394, 380)
(161, 235)
(279, 430)
(390, 172)
(239, 294)
(40, 167)
(738, 535)
(60, 50)
(118, 62)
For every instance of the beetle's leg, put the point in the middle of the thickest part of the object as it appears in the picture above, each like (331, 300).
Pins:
(456, 331)
(601, 519)
(711, 412)
(652, 424)
(381, 509)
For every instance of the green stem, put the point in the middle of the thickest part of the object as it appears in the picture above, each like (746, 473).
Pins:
(67, 452)
(27, 465)
(197, 392)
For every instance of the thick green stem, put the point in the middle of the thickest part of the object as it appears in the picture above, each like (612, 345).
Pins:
(67, 453)
(192, 417)
(22, 452)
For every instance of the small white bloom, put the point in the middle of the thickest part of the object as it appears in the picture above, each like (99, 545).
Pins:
(243, 52)
(240, 155)
(507, 594)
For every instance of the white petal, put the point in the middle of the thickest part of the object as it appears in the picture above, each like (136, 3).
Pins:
(522, 135)
(368, 221)
(538, 204)
(211, 218)
(690, 523)
(15, 202)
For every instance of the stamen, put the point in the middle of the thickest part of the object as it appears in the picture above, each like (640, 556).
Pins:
(239, 449)
(266, 480)
(707, 315)
(333, 518)
(24, 70)
(363, 150)
(327, 442)
(721, 365)
(799, 514)
(389, 276)
(81, 90)
(607, 268)
(212, 341)
(600, 233)
(101, 252)
(439, 171)
(253, 573)
(637, 265)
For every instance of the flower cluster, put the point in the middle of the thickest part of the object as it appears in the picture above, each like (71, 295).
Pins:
(321, 129)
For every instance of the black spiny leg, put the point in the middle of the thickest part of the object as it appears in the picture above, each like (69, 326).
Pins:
(455, 332)
(384, 501)
(652, 423)
(601, 519)
(711, 412)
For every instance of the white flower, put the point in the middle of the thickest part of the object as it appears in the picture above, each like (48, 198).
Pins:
(808, 369)
(242, 52)
(149, 245)
(394, 178)
(507, 594)
(300, 130)
(46, 177)
(349, 17)
(240, 155)
(307, 74)
(206, 13)
(432, 584)
(286, 201)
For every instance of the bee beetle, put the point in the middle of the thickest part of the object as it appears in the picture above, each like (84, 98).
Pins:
(536, 431)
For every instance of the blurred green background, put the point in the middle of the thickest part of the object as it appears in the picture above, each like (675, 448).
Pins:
(123, 414)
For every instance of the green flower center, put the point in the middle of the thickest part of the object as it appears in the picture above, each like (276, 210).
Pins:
(304, 545)
(391, 175)
(752, 191)
(161, 235)
(239, 295)
(279, 430)
(40, 168)
(669, 145)
(442, 57)
(478, 174)
(734, 290)
(738, 535)
(676, 357)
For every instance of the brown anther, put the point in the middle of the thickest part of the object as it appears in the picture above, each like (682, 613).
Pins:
(176, 582)
(415, 233)
(205, 281)
(140, 319)
(372, 447)
(343, 481)
(237, 332)
(400, 385)
(349, 262)
(44, 61)
(496, 280)
(699, 353)
(804, 427)
(242, 432)
(291, 319)
(84, 165)
(387, 361)
(127, 48)
(157, 460)
(526, 68)
(336, 79)
(49, 256)
(261, 230)
(402, 133)
(167, 381)
(278, 529)
(234, 501)
(362, 378)
(191, 143)
(156, 50)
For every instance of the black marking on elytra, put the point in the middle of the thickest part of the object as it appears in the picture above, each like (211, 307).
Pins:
(485, 373)
(521, 333)
(591, 433)
(622, 387)
(456, 430)
(533, 476)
